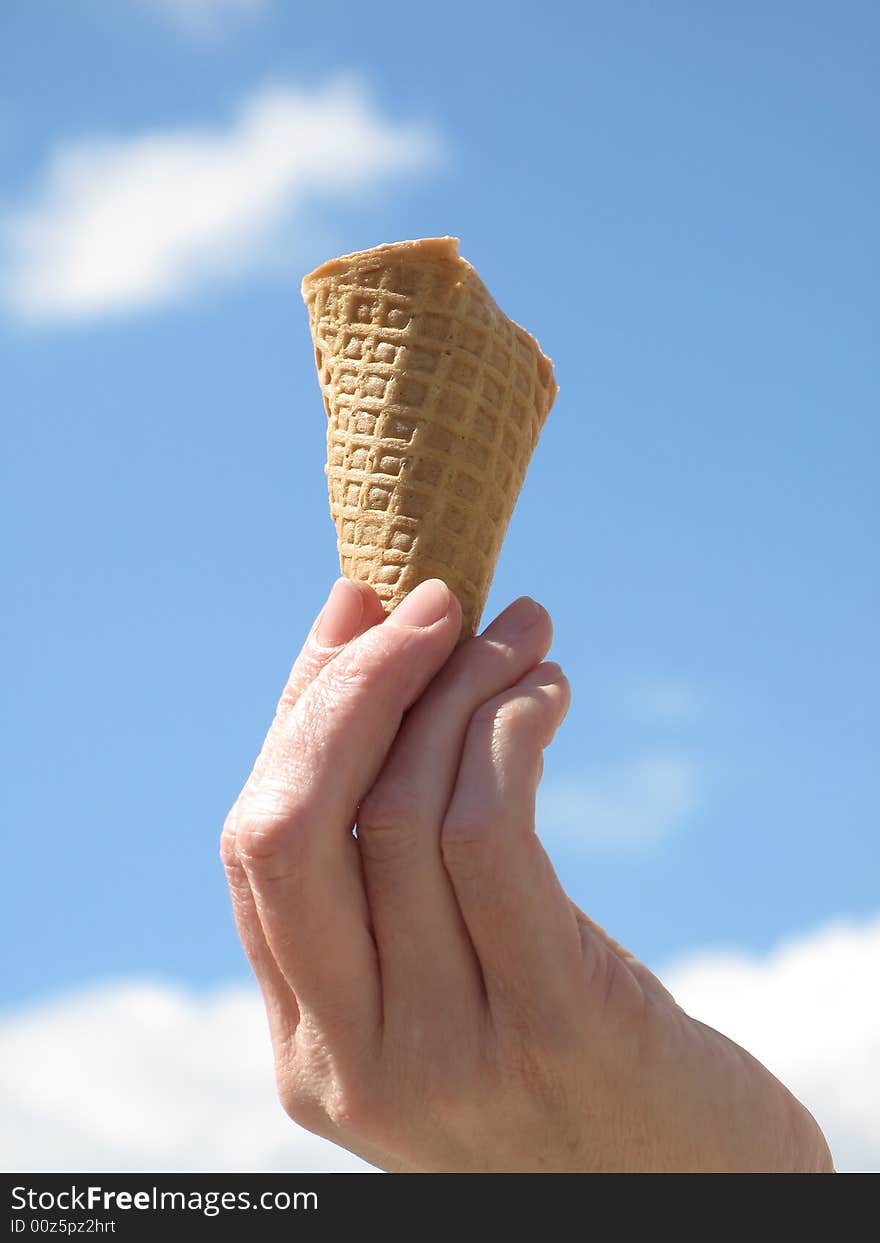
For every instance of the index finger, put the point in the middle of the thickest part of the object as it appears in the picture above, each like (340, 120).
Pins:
(351, 608)
(294, 825)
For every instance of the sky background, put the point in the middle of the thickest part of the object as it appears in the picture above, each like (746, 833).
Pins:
(680, 201)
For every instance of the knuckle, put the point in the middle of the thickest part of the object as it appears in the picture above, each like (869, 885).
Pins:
(354, 680)
(386, 667)
(260, 838)
(267, 825)
(389, 804)
(363, 665)
(524, 717)
(287, 700)
(388, 818)
(490, 714)
(399, 658)
(346, 677)
(484, 656)
(467, 838)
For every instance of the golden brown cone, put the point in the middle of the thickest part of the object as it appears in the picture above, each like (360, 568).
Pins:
(435, 401)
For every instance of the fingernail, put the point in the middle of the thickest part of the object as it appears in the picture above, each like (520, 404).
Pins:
(428, 603)
(341, 615)
(517, 618)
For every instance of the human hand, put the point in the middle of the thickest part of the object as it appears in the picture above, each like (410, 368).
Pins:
(436, 1002)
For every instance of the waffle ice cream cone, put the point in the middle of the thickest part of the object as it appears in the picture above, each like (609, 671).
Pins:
(435, 401)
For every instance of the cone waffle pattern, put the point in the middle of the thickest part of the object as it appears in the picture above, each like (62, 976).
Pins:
(435, 401)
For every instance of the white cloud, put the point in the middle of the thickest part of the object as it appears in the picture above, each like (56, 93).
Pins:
(624, 807)
(663, 701)
(125, 223)
(810, 1011)
(136, 1076)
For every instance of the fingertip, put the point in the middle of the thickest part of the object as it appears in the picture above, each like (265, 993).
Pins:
(549, 673)
(550, 677)
(428, 603)
(545, 621)
(525, 616)
(340, 618)
(542, 697)
(374, 609)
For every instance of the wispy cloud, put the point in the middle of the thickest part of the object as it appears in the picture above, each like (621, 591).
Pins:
(127, 223)
(204, 17)
(811, 1013)
(625, 807)
(134, 1076)
(658, 701)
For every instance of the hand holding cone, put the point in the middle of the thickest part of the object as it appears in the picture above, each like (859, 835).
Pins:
(435, 401)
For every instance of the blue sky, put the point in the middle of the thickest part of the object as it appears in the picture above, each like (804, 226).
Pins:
(680, 200)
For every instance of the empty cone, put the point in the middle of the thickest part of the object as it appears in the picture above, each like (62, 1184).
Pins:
(435, 401)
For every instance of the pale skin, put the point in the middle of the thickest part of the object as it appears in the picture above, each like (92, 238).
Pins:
(435, 1000)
